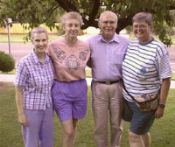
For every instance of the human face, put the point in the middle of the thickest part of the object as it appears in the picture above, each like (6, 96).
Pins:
(142, 31)
(72, 28)
(108, 25)
(40, 42)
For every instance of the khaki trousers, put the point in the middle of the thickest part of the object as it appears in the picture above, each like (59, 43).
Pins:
(107, 105)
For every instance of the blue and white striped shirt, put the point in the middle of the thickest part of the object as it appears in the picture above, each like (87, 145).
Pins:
(36, 78)
(144, 67)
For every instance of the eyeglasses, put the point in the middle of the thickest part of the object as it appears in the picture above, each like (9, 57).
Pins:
(72, 24)
(108, 22)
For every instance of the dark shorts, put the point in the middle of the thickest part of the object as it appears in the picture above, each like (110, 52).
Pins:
(141, 121)
(70, 99)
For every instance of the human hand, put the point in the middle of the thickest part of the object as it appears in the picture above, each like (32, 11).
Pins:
(159, 112)
(22, 119)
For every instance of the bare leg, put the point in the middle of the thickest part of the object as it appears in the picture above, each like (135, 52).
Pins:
(69, 127)
(147, 139)
(135, 140)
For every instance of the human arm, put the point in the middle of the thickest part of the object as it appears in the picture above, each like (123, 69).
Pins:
(164, 72)
(89, 63)
(20, 105)
(163, 97)
(21, 78)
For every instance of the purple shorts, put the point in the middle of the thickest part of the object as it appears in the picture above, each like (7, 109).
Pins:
(70, 99)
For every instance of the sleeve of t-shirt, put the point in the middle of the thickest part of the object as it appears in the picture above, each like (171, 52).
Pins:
(21, 74)
(163, 63)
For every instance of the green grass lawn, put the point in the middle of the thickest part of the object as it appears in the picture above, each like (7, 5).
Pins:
(21, 38)
(173, 77)
(11, 72)
(88, 72)
(13, 38)
(163, 130)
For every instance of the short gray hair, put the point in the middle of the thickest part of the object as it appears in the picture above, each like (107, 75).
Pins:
(143, 16)
(108, 13)
(38, 30)
(71, 15)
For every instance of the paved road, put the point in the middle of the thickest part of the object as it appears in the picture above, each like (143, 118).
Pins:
(19, 50)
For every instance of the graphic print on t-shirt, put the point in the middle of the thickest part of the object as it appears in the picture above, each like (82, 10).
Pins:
(61, 55)
(83, 55)
(73, 61)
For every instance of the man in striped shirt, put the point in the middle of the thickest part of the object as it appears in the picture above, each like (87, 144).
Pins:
(146, 70)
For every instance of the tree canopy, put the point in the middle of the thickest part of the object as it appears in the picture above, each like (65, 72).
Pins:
(35, 12)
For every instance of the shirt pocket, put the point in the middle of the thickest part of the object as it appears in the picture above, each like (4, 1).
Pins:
(117, 57)
(41, 80)
(146, 70)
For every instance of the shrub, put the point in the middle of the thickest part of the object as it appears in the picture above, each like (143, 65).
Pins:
(7, 63)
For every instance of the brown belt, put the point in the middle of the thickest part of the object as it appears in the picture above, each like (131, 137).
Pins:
(108, 82)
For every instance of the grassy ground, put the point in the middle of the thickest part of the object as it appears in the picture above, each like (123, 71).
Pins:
(20, 38)
(173, 77)
(163, 130)
(11, 72)
(88, 72)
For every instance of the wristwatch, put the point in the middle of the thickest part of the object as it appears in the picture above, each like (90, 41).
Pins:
(162, 106)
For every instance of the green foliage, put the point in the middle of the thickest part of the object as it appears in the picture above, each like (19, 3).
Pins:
(48, 11)
(32, 12)
(22, 38)
(7, 63)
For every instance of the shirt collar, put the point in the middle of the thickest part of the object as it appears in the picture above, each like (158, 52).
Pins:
(35, 58)
(114, 39)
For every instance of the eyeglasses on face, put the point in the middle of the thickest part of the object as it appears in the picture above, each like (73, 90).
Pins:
(108, 22)
(73, 25)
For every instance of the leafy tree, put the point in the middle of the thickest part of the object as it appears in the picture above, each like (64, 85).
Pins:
(36, 12)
